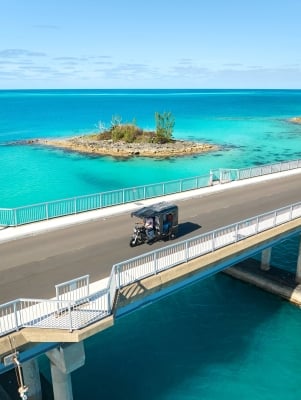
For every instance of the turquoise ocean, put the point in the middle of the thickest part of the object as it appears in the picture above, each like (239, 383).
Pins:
(219, 339)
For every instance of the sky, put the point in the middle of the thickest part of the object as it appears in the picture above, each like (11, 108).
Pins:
(108, 44)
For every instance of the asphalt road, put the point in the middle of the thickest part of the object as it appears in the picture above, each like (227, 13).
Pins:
(32, 266)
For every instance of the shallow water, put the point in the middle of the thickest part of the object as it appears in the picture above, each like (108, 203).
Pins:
(250, 126)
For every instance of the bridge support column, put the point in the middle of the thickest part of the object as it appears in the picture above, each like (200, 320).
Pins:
(31, 378)
(64, 360)
(298, 270)
(266, 259)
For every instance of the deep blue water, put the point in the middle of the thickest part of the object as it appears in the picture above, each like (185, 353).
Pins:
(219, 339)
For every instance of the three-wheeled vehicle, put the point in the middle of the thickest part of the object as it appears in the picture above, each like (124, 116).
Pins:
(156, 222)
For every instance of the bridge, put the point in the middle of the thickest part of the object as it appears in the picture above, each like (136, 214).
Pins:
(255, 214)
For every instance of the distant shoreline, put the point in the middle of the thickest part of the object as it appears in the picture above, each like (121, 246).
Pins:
(88, 145)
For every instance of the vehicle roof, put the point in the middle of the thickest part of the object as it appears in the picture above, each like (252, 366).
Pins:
(154, 209)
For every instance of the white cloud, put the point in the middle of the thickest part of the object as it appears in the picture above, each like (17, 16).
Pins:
(12, 53)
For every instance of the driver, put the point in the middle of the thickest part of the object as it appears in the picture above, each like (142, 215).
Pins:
(149, 226)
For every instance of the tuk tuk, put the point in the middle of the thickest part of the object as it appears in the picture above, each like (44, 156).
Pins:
(155, 222)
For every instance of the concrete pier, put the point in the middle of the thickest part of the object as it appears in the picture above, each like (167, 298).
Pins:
(64, 360)
(266, 259)
(31, 377)
(274, 280)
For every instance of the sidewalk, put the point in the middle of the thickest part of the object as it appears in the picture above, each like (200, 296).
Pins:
(12, 233)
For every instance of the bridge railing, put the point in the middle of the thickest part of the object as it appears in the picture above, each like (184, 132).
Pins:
(76, 311)
(54, 314)
(74, 289)
(59, 208)
(148, 264)
(228, 175)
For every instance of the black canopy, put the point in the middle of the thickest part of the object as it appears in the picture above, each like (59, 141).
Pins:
(154, 209)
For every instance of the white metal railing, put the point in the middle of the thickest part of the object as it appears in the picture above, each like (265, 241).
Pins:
(54, 314)
(228, 175)
(73, 290)
(44, 211)
(77, 312)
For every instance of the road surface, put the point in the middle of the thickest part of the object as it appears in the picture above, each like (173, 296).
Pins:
(30, 267)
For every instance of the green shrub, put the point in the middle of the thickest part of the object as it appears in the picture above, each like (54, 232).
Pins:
(117, 133)
(164, 127)
(130, 133)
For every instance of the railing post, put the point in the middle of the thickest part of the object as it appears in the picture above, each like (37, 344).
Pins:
(16, 315)
(186, 251)
(220, 175)
(275, 218)
(75, 208)
(46, 211)
(213, 240)
(211, 178)
(70, 317)
(57, 303)
(118, 276)
(88, 285)
(15, 217)
(257, 225)
(155, 263)
(109, 301)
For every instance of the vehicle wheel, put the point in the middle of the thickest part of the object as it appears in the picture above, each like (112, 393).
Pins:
(172, 236)
(133, 243)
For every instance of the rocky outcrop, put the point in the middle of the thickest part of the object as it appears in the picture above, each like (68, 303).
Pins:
(84, 144)
(296, 120)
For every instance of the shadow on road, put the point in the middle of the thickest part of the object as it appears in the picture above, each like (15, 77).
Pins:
(186, 228)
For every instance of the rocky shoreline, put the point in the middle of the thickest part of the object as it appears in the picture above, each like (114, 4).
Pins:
(88, 145)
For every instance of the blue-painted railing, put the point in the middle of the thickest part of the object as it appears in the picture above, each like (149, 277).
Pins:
(44, 211)
(75, 205)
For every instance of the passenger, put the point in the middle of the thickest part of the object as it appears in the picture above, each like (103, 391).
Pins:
(149, 226)
(167, 223)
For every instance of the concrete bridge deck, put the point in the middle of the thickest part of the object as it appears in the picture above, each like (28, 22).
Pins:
(25, 265)
(151, 288)
(38, 256)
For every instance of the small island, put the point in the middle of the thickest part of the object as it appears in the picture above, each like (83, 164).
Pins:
(128, 140)
(296, 120)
